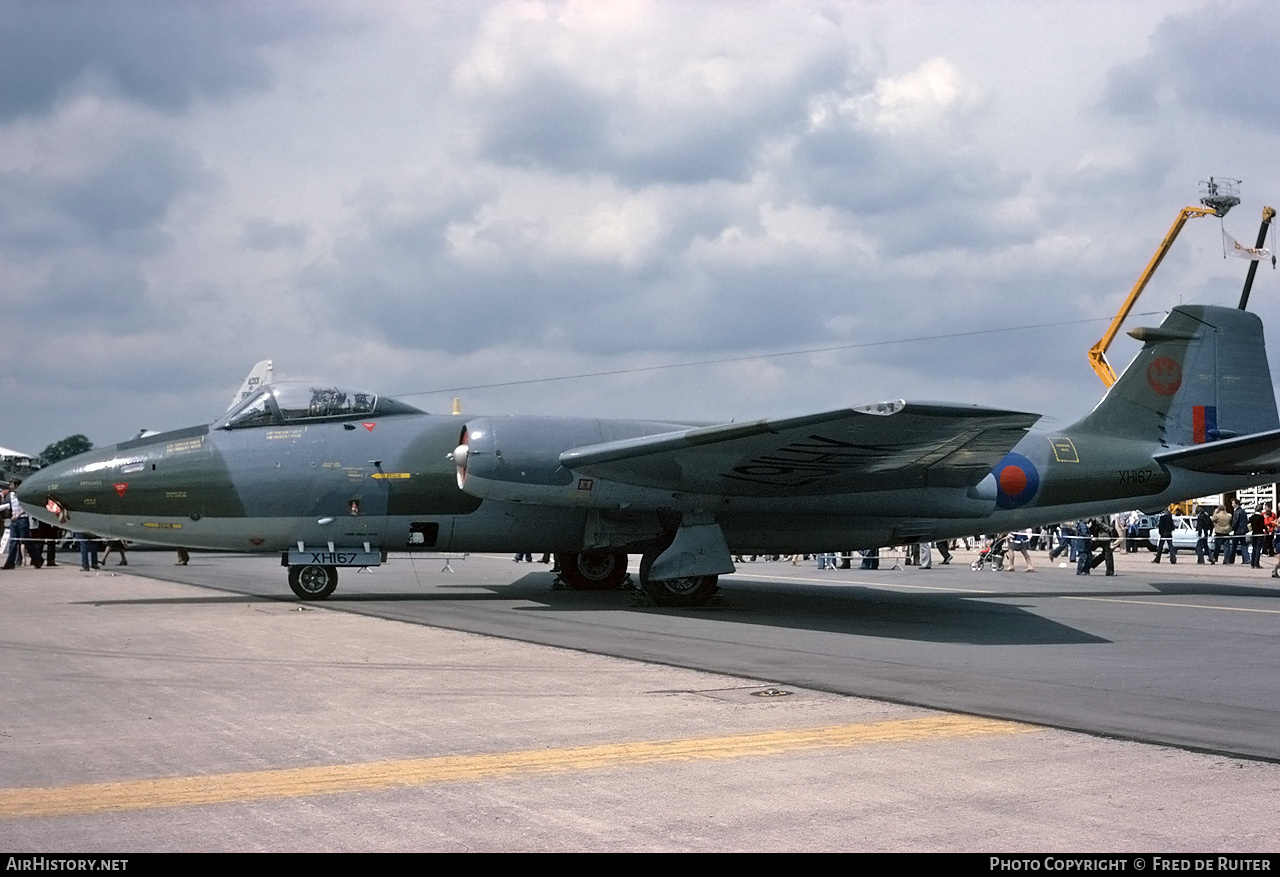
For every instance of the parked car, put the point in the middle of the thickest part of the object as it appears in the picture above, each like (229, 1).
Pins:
(1184, 532)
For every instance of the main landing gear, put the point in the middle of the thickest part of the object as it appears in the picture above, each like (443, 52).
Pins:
(607, 571)
(593, 570)
(313, 582)
(685, 591)
(585, 571)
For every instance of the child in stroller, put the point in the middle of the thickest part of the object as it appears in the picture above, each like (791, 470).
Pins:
(992, 552)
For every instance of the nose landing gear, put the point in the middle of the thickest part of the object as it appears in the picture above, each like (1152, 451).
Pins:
(313, 582)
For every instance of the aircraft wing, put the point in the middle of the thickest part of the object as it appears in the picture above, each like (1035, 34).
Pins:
(890, 445)
(1243, 455)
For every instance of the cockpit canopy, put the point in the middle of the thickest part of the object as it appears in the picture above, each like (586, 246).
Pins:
(282, 403)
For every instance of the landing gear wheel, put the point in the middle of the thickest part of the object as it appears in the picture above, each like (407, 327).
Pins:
(313, 582)
(685, 591)
(594, 570)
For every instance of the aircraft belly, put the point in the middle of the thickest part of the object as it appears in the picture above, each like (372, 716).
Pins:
(806, 535)
(516, 527)
(927, 503)
(249, 534)
(602, 495)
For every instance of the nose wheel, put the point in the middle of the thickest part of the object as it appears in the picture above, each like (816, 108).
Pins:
(313, 582)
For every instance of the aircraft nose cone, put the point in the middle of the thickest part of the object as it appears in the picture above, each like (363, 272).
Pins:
(33, 492)
(50, 493)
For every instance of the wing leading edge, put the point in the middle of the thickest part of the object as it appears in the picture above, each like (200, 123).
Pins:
(891, 445)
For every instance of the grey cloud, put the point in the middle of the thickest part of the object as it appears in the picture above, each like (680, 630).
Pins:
(155, 52)
(1131, 89)
(76, 238)
(266, 235)
(431, 303)
(548, 120)
(553, 121)
(418, 296)
(912, 187)
(85, 289)
(911, 197)
(559, 119)
(119, 200)
(1112, 186)
(1218, 59)
(129, 192)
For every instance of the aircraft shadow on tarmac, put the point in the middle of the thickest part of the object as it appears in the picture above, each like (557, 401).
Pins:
(855, 610)
(1209, 589)
(980, 617)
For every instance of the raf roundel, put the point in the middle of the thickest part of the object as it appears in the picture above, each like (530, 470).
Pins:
(1017, 481)
(1164, 375)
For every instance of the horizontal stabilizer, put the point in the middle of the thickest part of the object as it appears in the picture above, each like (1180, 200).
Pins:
(1244, 455)
(892, 445)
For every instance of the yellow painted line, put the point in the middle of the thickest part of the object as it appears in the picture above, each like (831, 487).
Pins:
(1155, 601)
(373, 776)
(743, 575)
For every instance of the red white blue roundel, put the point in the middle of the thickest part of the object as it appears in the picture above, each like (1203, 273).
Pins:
(1016, 481)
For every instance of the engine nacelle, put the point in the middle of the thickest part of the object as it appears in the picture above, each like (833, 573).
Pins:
(517, 459)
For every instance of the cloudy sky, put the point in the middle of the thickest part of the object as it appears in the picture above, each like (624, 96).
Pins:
(912, 200)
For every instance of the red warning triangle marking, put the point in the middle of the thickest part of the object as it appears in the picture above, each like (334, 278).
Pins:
(369, 426)
(121, 487)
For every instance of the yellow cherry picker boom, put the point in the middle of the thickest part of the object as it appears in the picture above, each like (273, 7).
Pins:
(1218, 196)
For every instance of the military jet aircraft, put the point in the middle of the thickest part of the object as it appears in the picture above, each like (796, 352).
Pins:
(332, 477)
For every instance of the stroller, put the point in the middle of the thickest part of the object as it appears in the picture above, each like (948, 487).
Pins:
(992, 552)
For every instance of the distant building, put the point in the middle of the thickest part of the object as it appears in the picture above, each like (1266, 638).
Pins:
(12, 461)
(1249, 497)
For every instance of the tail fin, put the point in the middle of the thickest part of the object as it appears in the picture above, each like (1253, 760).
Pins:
(1202, 376)
(258, 375)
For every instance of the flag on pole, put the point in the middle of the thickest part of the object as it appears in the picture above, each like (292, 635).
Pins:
(1235, 248)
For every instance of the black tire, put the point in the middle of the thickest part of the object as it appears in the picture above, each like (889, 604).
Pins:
(313, 582)
(594, 570)
(681, 592)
